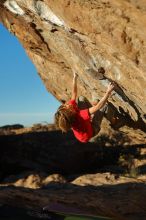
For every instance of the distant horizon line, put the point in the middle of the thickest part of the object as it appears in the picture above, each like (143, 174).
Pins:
(42, 123)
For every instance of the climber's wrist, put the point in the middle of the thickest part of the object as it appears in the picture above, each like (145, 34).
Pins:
(108, 93)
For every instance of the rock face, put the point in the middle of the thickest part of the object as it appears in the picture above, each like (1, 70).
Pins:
(103, 40)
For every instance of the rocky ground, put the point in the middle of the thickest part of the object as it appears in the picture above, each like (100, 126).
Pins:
(42, 158)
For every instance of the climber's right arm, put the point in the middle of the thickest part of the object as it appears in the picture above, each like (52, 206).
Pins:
(103, 101)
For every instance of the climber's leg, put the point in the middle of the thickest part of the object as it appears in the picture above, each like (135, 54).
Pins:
(96, 125)
(97, 118)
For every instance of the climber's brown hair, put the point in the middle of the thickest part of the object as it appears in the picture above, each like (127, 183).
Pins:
(64, 117)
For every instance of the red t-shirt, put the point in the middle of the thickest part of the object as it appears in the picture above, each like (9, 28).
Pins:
(82, 127)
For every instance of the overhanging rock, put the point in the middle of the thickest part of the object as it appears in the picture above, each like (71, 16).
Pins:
(103, 40)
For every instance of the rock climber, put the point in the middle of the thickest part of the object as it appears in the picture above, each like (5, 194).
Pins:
(84, 122)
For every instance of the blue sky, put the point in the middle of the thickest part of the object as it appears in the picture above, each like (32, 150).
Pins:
(23, 97)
